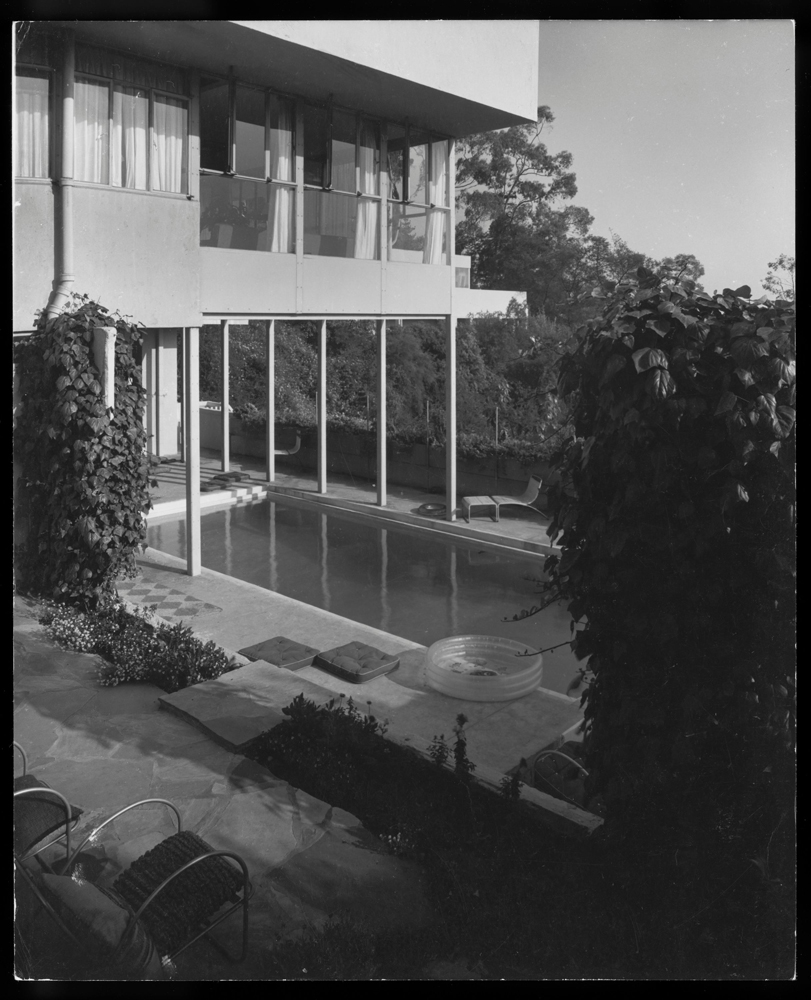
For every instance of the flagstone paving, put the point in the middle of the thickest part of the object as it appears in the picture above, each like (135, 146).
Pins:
(107, 747)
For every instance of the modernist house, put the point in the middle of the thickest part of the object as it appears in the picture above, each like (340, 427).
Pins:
(197, 172)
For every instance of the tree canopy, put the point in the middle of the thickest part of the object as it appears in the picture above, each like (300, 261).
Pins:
(521, 231)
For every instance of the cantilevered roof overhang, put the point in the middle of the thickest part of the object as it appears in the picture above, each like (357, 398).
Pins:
(254, 54)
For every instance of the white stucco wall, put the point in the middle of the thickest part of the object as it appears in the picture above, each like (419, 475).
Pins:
(471, 301)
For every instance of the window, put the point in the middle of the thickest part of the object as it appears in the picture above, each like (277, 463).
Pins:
(130, 137)
(418, 212)
(342, 184)
(246, 136)
(248, 187)
(33, 124)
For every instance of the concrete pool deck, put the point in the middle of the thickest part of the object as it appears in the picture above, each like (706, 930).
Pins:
(241, 704)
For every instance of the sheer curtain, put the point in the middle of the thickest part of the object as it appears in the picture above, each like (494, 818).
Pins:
(169, 131)
(32, 127)
(280, 205)
(435, 230)
(338, 210)
(366, 224)
(130, 131)
(91, 136)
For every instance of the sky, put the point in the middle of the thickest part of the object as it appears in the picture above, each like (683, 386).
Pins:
(682, 134)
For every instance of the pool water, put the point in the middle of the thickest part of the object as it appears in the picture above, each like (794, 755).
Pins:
(414, 584)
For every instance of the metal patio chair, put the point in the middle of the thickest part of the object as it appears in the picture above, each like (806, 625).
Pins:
(180, 889)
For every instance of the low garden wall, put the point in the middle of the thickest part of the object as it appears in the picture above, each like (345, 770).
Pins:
(417, 466)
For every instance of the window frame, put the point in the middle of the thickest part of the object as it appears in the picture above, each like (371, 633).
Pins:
(151, 93)
(406, 201)
(48, 73)
(231, 171)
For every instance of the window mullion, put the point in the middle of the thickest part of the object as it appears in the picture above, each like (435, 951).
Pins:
(110, 130)
(328, 181)
(268, 165)
(232, 126)
(407, 164)
(150, 131)
(357, 152)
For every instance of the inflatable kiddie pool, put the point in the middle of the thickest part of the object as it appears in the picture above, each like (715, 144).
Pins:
(482, 668)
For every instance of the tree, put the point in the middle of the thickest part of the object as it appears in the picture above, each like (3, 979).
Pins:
(780, 279)
(518, 234)
(675, 517)
(683, 265)
(507, 186)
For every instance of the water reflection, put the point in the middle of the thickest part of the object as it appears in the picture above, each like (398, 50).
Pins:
(417, 585)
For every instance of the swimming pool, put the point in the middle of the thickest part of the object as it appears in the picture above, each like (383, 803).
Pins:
(419, 585)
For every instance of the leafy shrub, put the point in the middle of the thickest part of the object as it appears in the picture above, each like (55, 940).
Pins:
(84, 487)
(675, 518)
(136, 649)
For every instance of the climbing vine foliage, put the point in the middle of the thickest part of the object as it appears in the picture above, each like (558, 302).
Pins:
(675, 517)
(84, 487)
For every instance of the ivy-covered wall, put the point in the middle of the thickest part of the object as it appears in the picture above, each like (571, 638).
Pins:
(83, 488)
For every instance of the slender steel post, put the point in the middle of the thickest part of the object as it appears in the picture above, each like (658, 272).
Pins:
(382, 473)
(450, 418)
(322, 407)
(270, 401)
(226, 415)
(191, 447)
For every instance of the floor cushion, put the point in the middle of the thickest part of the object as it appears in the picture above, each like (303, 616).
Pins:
(281, 652)
(356, 662)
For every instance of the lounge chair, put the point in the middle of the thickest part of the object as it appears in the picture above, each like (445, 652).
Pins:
(527, 499)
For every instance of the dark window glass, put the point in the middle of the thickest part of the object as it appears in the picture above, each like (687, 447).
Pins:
(418, 167)
(315, 144)
(396, 158)
(250, 128)
(215, 123)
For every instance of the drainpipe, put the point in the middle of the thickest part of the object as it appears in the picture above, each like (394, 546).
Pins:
(64, 231)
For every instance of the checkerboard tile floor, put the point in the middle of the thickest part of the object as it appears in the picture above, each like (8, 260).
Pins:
(170, 603)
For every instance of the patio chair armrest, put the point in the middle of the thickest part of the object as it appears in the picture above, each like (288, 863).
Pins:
(44, 789)
(24, 757)
(115, 816)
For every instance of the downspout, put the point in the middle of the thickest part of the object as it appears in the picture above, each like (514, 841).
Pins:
(64, 230)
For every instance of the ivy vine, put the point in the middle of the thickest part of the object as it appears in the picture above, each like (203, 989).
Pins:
(84, 488)
(675, 517)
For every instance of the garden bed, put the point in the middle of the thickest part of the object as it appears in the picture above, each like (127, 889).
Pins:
(136, 645)
(514, 900)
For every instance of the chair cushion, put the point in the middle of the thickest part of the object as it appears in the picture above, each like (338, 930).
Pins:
(99, 920)
(37, 817)
(356, 662)
(189, 901)
(282, 652)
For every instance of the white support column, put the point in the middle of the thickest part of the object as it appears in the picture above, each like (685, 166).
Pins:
(270, 401)
(322, 407)
(148, 380)
(226, 409)
(382, 473)
(104, 356)
(450, 418)
(191, 446)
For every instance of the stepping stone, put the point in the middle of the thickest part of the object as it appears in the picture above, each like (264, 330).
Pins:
(230, 477)
(281, 652)
(356, 662)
